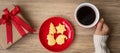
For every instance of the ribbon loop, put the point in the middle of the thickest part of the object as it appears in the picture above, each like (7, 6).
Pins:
(15, 11)
(6, 12)
(2, 20)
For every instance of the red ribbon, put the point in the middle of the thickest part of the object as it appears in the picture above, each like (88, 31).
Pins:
(11, 17)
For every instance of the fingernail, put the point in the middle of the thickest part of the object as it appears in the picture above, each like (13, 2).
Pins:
(102, 20)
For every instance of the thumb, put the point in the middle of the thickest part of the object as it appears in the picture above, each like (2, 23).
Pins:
(100, 24)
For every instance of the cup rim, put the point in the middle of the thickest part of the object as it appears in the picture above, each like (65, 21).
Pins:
(95, 9)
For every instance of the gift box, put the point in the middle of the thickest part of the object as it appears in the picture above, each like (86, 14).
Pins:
(13, 26)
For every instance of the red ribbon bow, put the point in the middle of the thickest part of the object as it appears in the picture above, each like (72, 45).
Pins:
(11, 17)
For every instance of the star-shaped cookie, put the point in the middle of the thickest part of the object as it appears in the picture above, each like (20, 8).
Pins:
(60, 28)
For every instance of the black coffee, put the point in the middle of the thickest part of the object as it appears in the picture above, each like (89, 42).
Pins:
(86, 15)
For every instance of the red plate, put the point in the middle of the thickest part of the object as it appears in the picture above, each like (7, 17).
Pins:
(44, 30)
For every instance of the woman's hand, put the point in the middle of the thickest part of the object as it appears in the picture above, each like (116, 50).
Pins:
(102, 28)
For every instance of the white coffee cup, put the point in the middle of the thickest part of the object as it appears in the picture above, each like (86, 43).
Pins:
(95, 9)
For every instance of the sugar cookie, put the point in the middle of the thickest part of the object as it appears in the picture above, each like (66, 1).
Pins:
(60, 28)
(52, 29)
(61, 39)
(51, 40)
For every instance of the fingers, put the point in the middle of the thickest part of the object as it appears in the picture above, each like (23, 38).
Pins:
(105, 28)
(100, 24)
(102, 28)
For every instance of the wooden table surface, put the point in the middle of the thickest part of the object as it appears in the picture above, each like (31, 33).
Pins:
(36, 11)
